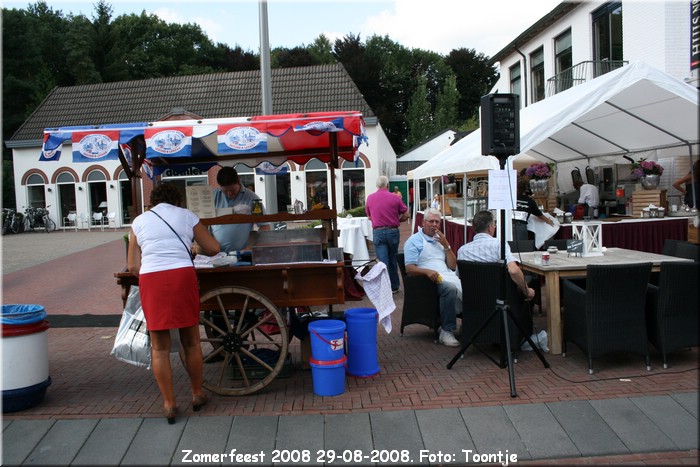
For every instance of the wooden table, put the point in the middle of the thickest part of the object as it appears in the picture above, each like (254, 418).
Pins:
(562, 265)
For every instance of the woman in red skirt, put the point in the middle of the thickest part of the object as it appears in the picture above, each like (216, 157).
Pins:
(159, 256)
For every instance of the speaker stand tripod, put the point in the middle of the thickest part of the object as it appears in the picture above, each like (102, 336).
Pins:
(505, 313)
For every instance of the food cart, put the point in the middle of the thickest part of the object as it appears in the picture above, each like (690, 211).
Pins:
(245, 335)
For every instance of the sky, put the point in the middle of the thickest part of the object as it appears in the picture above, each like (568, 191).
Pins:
(435, 25)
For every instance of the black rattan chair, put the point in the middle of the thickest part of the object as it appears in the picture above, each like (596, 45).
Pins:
(521, 245)
(421, 302)
(533, 281)
(672, 308)
(605, 312)
(481, 286)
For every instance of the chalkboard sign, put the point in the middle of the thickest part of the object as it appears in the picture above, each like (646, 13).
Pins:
(574, 246)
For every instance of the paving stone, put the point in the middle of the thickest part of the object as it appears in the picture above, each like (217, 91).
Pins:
(632, 426)
(108, 442)
(61, 443)
(203, 437)
(347, 432)
(21, 437)
(586, 428)
(540, 431)
(154, 442)
(254, 436)
(397, 430)
(671, 418)
(688, 400)
(299, 436)
(493, 432)
(444, 434)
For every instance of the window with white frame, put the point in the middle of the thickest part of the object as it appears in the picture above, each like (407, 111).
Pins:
(537, 74)
(563, 61)
(316, 183)
(353, 184)
(516, 81)
(36, 197)
(607, 36)
(65, 183)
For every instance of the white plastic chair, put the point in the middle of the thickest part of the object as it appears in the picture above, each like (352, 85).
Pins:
(112, 220)
(71, 221)
(84, 220)
(98, 219)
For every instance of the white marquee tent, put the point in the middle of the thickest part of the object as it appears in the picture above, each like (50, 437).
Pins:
(634, 110)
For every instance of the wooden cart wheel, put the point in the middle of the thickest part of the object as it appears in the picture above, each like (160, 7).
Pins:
(252, 339)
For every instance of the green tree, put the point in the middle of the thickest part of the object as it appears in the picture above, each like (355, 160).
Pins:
(475, 78)
(447, 105)
(288, 58)
(322, 51)
(419, 118)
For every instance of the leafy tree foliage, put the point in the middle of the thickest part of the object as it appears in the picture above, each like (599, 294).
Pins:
(287, 58)
(414, 93)
(475, 78)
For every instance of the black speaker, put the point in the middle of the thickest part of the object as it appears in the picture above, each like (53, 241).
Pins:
(500, 125)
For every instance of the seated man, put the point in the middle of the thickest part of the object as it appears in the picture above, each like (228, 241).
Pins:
(485, 247)
(232, 194)
(428, 253)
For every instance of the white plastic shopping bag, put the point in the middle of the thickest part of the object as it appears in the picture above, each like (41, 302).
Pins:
(132, 344)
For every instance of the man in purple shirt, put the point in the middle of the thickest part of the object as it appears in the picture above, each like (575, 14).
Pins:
(386, 211)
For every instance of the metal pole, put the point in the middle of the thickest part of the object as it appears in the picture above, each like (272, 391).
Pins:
(266, 93)
(265, 60)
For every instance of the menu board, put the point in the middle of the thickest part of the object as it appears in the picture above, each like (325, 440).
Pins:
(574, 246)
(200, 200)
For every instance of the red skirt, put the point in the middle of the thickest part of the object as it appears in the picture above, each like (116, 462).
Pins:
(170, 299)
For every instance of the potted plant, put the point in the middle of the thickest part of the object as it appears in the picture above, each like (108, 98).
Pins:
(539, 175)
(648, 173)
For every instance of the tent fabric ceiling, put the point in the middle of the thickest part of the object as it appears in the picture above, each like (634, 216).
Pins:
(633, 109)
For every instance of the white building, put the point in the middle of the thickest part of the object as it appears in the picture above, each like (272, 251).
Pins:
(84, 188)
(579, 41)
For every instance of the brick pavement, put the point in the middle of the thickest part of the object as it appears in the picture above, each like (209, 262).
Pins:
(89, 383)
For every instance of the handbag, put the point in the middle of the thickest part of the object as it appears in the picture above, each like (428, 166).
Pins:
(132, 343)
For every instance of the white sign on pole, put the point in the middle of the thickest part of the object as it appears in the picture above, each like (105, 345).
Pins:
(502, 189)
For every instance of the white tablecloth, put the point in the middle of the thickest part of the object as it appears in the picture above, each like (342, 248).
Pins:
(352, 241)
(363, 222)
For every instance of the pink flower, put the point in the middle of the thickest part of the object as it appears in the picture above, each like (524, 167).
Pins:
(645, 167)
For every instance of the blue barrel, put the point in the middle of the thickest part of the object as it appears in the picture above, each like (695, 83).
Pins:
(327, 339)
(362, 341)
(328, 377)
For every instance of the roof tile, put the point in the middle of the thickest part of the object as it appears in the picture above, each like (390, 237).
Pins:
(294, 90)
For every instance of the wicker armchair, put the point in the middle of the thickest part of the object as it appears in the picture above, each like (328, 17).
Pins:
(421, 302)
(481, 286)
(534, 281)
(672, 308)
(604, 313)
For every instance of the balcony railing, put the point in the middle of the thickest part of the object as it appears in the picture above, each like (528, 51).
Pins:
(580, 73)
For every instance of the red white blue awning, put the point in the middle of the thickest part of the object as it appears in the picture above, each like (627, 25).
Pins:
(203, 143)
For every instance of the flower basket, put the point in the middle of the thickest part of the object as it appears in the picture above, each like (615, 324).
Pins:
(648, 173)
(539, 175)
(540, 171)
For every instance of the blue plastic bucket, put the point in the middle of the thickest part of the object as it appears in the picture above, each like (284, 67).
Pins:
(362, 341)
(328, 376)
(327, 339)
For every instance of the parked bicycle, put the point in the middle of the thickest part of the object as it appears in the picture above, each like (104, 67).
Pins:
(38, 218)
(10, 221)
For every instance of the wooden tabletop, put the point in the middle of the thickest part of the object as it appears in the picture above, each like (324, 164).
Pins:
(562, 261)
